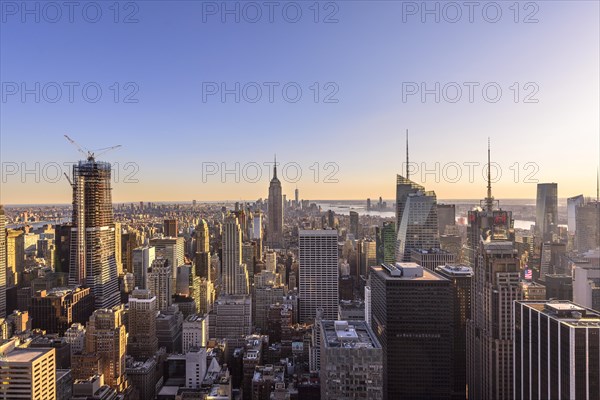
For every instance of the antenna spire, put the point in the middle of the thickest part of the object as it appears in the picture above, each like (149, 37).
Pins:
(489, 200)
(407, 168)
(275, 167)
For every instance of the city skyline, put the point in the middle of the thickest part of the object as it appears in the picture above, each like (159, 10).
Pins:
(296, 200)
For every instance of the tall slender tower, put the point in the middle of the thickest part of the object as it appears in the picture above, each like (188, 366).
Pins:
(203, 250)
(234, 274)
(275, 212)
(416, 216)
(3, 265)
(546, 211)
(494, 288)
(160, 282)
(93, 260)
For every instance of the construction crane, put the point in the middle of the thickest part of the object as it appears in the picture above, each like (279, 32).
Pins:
(91, 155)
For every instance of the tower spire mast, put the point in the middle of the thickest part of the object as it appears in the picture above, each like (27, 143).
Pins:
(489, 200)
(275, 167)
(597, 186)
(407, 168)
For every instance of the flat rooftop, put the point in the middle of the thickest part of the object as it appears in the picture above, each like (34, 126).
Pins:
(455, 270)
(348, 334)
(398, 272)
(500, 246)
(430, 251)
(27, 355)
(566, 312)
(318, 232)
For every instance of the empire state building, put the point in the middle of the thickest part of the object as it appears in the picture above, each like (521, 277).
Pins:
(275, 212)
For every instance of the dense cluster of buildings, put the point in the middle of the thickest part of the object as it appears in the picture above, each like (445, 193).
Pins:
(280, 300)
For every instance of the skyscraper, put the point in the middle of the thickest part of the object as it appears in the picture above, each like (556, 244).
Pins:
(256, 235)
(418, 227)
(460, 276)
(194, 332)
(489, 333)
(118, 248)
(231, 317)
(275, 212)
(203, 250)
(142, 342)
(297, 197)
(446, 216)
(171, 248)
(404, 187)
(412, 316)
(386, 243)
(28, 374)
(556, 351)
(366, 253)
(234, 275)
(171, 228)
(106, 338)
(546, 210)
(142, 259)
(354, 224)
(160, 282)
(93, 260)
(495, 285)
(350, 353)
(319, 274)
(572, 204)
(587, 234)
(3, 265)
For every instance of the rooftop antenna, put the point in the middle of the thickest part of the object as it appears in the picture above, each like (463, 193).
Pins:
(489, 200)
(407, 168)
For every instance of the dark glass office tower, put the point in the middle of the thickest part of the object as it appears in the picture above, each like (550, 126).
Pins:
(460, 276)
(203, 250)
(546, 211)
(63, 248)
(354, 224)
(446, 217)
(170, 228)
(93, 262)
(557, 351)
(412, 317)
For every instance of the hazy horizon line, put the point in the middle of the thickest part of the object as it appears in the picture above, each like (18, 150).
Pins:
(373, 201)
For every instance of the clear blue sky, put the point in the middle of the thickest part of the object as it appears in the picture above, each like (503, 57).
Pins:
(367, 54)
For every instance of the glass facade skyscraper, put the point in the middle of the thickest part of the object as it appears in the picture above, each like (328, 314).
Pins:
(412, 317)
(546, 210)
(418, 225)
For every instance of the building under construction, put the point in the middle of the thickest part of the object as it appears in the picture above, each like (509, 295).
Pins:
(93, 261)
